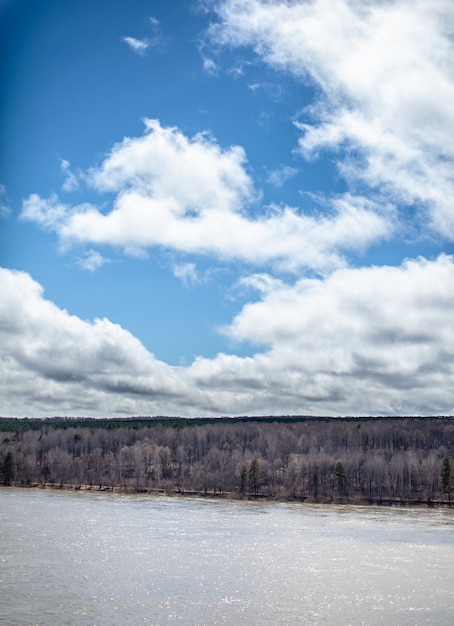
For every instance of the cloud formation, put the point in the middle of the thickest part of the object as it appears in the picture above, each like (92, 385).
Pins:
(192, 196)
(384, 334)
(4, 204)
(371, 340)
(279, 176)
(71, 182)
(91, 260)
(385, 75)
(377, 339)
(139, 46)
(57, 361)
(186, 272)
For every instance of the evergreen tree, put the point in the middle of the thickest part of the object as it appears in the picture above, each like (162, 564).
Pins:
(9, 469)
(339, 473)
(254, 477)
(244, 476)
(446, 474)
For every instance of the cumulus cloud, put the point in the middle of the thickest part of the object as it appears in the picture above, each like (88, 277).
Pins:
(49, 213)
(385, 75)
(363, 341)
(374, 340)
(54, 362)
(165, 164)
(190, 195)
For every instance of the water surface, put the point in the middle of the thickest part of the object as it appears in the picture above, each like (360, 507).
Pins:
(106, 559)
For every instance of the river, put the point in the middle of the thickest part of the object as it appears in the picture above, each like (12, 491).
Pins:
(87, 558)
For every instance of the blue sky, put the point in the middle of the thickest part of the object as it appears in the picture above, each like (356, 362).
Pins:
(227, 207)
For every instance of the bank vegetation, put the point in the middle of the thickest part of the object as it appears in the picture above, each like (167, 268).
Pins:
(357, 460)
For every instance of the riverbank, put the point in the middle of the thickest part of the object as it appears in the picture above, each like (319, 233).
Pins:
(228, 495)
(385, 461)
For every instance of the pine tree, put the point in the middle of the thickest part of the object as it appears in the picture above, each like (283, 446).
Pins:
(339, 472)
(9, 469)
(446, 474)
(254, 477)
(244, 475)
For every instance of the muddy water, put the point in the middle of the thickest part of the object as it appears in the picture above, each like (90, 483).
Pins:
(104, 559)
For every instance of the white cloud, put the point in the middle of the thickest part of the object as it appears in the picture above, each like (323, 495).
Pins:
(376, 340)
(140, 46)
(48, 213)
(366, 341)
(55, 363)
(281, 175)
(4, 204)
(165, 164)
(92, 260)
(209, 65)
(155, 40)
(190, 195)
(273, 91)
(186, 272)
(386, 75)
(71, 182)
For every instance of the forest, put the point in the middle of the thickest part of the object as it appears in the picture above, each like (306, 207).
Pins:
(346, 460)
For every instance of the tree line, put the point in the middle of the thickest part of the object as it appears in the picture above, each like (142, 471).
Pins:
(408, 460)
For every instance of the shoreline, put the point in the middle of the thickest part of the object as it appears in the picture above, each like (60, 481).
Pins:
(232, 496)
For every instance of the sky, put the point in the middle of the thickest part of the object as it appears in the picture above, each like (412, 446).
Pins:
(226, 207)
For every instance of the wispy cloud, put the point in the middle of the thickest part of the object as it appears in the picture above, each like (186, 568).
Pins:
(281, 175)
(384, 72)
(140, 46)
(186, 272)
(272, 90)
(209, 65)
(4, 203)
(92, 260)
(71, 182)
(49, 213)
(156, 38)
